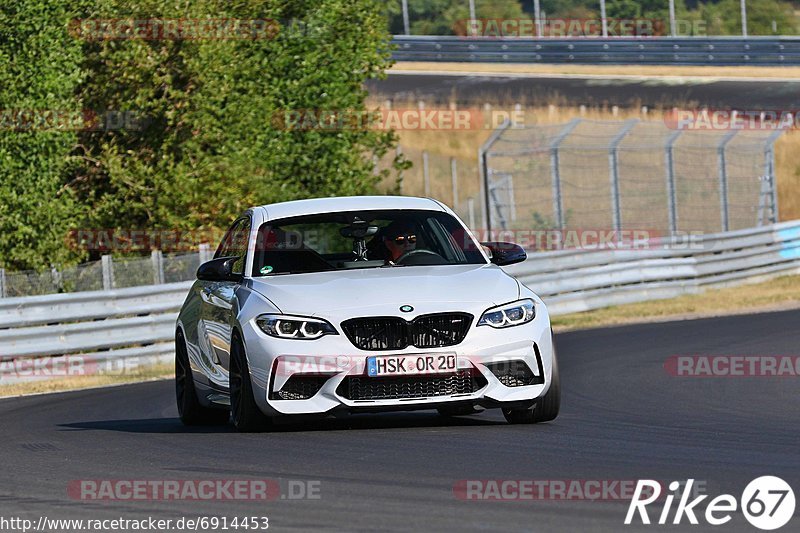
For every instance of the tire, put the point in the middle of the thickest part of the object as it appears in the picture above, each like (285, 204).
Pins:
(245, 413)
(190, 410)
(545, 409)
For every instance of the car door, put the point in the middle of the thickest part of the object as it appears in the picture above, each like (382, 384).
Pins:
(218, 308)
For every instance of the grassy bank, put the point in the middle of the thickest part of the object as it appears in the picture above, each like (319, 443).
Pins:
(463, 146)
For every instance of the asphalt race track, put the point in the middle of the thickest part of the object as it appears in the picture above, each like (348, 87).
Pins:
(591, 91)
(623, 418)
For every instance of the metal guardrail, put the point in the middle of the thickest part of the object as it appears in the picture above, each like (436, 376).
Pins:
(139, 323)
(598, 50)
(580, 280)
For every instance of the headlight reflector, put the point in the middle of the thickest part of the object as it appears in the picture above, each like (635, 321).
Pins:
(294, 327)
(508, 315)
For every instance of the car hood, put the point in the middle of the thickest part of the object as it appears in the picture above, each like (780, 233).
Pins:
(381, 291)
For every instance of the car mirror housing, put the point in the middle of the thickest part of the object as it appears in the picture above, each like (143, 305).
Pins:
(505, 253)
(220, 269)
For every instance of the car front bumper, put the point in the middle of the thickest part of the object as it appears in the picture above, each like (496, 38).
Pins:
(335, 361)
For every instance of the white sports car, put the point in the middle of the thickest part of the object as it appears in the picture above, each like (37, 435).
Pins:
(360, 304)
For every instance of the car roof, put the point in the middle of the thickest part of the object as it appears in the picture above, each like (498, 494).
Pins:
(347, 203)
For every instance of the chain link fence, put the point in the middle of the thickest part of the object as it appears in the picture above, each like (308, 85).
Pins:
(628, 175)
(106, 274)
(454, 181)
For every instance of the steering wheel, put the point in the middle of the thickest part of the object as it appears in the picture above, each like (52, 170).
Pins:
(421, 252)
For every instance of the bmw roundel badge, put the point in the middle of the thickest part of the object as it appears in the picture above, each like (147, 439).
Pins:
(406, 308)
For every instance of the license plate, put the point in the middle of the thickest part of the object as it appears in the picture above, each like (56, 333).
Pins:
(403, 365)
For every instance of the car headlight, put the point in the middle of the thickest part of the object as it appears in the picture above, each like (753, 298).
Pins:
(294, 327)
(508, 315)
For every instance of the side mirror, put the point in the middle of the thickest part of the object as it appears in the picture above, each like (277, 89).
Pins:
(220, 269)
(505, 253)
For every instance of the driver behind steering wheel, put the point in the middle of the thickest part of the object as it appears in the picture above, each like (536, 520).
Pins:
(399, 238)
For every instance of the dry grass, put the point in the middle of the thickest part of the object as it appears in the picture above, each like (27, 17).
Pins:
(146, 373)
(463, 146)
(779, 293)
(605, 70)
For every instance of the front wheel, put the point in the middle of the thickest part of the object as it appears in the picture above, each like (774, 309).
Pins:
(190, 410)
(246, 415)
(545, 409)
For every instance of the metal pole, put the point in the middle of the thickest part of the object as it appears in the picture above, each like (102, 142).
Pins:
(537, 18)
(613, 167)
(3, 290)
(472, 10)
(157, 260)
(555, 172)
(399, 153)
(483, 169)
(671, 196)
(744, 18)
(425, 175)
(454, 179)
(406, 25)
(204, 251)
(603, 17)
(108, 272)
(672, 31)
(770, 173)
(723, 178)
(471, 210)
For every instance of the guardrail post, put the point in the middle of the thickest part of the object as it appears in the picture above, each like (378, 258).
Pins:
(613, 167)
(555, 173)
(723, 178)
(483, 170)
(55, 275)
(205, 253)
(769, 171)
(425, 173)
(108, 272)
(671, 196)
(157, 258)
(3, 283)
(454, 180)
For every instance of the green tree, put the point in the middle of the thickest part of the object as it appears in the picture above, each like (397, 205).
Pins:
(39, 70)
(210, 145)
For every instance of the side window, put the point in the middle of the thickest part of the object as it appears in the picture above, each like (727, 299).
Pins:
(234, 244)
(239, 245)
(224, 248)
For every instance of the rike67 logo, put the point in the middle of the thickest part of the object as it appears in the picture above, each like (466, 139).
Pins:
(767, 503)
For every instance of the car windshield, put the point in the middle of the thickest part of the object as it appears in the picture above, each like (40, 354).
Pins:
(362, 239)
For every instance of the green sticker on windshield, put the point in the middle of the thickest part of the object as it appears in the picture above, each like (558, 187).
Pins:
(266, 269)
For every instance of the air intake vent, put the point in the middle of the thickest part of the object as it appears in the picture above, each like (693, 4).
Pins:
(301, 387)
(394, 333)
(425, 386)
(514, 373)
